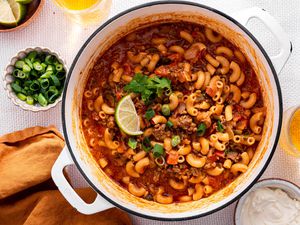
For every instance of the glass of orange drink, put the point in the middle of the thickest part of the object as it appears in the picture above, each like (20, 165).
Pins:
(85, 11)
(290, 133)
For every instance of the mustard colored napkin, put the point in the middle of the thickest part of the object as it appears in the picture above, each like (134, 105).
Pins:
(28, 196)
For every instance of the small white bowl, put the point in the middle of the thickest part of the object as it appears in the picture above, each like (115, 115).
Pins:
(290, 188)
(8, 79)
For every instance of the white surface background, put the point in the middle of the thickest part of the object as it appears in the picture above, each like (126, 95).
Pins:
(53, 30)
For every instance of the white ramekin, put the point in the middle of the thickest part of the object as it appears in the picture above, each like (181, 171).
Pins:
(8, 79)
(290, 188)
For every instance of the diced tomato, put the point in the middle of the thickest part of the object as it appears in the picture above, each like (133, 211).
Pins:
(127, 69)
(220, 154)
(118, 95)
(175, 57)
(162, 71)
(210, 92)
(215, 182)
(101, 130)
(212, 158)
(172, 158)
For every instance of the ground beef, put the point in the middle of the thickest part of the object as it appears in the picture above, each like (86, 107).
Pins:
(186, 123)
(160, 132)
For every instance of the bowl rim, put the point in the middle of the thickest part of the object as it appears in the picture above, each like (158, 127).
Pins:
(179, 2)
(10, 94)
(268, 181)
(28, 21)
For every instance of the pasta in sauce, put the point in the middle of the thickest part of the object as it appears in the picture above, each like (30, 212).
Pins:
(208, 125)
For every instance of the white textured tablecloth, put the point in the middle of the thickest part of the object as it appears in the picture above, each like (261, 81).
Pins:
(51, 29)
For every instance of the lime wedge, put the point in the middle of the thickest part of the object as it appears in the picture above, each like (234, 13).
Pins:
(24, 1)
(127, 118)
(18, 10)
(6, 15)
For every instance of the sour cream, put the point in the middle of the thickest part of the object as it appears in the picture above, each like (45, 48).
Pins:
(266, 206)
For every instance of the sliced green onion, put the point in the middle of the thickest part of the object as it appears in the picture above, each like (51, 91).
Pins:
(61, 75)
(37, 66)
(165, 109)
(21, 96)
(19, 64)
(35, 85)
(220, 127)
(33, 73)
(44, 83)
(44, 65)
(47, 74)
(49, 59)
(26, 68)
(146, 144)
(42, 100)
(158, 150)
(29, 100)
(201, 129)
(150, 113)
(55, 80)
(175, 140)
(35, 97)
(59, 67)
(16, 87)
(50, 68)
(132, 143)
(29, 63)
(31, 56)
(19, 74)
(169, 124)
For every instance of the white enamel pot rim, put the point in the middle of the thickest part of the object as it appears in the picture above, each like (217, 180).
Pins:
(69, 156)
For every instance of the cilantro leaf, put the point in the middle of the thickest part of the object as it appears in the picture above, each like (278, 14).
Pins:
(149, 114)
(148, 87)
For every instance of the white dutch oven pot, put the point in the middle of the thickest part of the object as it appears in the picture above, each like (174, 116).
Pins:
(76, 151)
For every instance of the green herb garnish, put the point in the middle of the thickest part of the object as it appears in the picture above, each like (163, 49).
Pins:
(132, 143)
(149, 114)
(220, 127)
(158, 150)
(146, 144)
(169, 124)
(201, 129)
(175, 140)
(148, 87)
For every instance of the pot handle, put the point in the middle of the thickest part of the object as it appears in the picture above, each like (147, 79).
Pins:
(63, 160)
(279, 60)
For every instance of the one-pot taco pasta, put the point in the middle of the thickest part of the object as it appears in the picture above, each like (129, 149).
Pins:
(200, 108)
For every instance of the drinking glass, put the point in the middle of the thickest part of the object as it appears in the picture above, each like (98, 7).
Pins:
(290, 133)
(85, 11)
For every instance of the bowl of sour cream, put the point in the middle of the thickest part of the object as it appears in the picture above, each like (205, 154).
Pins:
(269, 202)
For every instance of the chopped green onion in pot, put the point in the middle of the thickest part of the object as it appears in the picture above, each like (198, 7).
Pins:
(169, 124)
(165, 109)
(149, 114)
(19, 74)
(175, 140)
(132, 143)
(158, 150)
(201, 129)
(220, 127)
(47, 74)
(146, 144)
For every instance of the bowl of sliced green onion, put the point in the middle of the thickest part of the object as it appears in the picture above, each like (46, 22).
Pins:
(34, 79)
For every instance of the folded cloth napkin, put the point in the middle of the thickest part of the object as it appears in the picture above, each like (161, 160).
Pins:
(28, 196)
